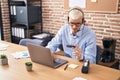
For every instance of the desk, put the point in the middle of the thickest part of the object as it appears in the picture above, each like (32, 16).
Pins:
(114, 64)
(16, 70)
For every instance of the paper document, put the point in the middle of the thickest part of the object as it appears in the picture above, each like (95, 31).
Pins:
(22, 54)
(79, 78)
(80, 3)
(41, 36)
(3, 45)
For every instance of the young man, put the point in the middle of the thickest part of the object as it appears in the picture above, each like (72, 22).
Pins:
(78, 41)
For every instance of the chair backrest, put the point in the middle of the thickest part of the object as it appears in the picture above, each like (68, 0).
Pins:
(24, 42)
(38, 41)
(99, 51)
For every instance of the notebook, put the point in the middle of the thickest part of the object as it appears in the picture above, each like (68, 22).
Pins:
(42, 55)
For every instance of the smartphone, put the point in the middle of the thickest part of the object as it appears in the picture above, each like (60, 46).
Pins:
(71, 46)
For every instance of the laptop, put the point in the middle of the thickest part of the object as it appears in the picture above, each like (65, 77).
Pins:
(42, 55)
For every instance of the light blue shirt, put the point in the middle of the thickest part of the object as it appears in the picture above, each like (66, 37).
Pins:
(85, 39)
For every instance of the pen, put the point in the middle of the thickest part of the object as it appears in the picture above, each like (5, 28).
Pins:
(66, 67)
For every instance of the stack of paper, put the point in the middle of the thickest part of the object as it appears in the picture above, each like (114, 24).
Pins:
(23, 54)
(3, 48)
(41, 36)
(3, 45)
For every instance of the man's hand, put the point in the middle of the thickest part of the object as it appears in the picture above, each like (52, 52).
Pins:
(78, 52)
(53, 55)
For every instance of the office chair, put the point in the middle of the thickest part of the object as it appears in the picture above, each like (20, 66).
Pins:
(24, 42)
(99, 51)
(38, 41)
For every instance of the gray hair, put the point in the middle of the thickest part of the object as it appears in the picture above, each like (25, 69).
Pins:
(76, 12)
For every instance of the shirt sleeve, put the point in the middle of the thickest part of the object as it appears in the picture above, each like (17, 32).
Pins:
(56, 41)
(90, 49)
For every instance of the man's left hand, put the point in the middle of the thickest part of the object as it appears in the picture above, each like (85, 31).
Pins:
(78, 52)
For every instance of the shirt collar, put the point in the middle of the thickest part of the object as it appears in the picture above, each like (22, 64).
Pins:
(78, 33)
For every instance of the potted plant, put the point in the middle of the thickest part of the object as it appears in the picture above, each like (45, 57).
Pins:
(28, 66)
(3, 59)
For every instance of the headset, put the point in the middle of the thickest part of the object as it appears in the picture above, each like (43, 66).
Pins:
(79, 9)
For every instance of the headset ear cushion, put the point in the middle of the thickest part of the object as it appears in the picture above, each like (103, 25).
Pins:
(83, 21)
(68, 19)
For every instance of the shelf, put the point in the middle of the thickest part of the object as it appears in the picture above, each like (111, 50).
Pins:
(23, 12)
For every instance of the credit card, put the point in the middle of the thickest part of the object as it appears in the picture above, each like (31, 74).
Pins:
(71, 46)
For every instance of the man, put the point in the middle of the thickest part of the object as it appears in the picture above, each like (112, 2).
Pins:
(78, 41)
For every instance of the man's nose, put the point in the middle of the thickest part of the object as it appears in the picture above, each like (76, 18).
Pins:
(74, 26)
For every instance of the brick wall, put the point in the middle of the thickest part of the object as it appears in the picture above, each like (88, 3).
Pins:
(5, 20)
(104, 24)
(54, 16)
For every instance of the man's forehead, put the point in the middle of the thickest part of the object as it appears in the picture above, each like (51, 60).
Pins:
(75, 20)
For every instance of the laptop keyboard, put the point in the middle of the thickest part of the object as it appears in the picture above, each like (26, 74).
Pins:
(58, 61)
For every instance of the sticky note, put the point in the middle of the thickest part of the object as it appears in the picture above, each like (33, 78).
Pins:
(73, 66)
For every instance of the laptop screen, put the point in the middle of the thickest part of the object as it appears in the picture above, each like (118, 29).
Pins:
(42, 55)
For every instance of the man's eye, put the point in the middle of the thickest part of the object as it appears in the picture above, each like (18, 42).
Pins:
(75, 23)
(78, 23)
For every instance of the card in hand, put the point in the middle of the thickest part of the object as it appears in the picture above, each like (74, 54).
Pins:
(71, 46)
